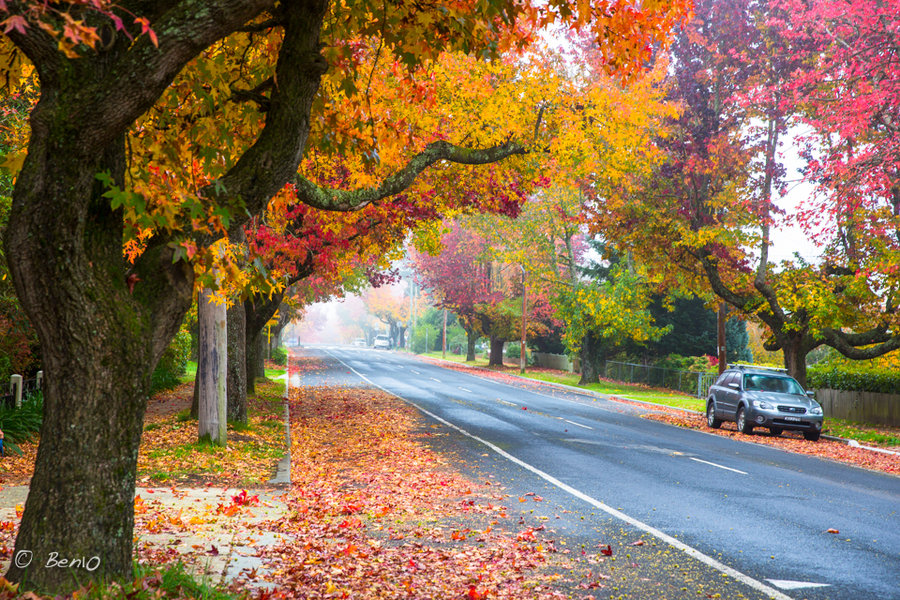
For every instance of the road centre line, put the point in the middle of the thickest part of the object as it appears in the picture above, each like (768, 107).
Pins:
(465, 389)
(577, 424)
(414, 371)
(772, 593)
(433, 379)
(706, 462)
(506, 402)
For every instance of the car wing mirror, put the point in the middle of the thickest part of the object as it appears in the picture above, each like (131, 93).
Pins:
(811, 394)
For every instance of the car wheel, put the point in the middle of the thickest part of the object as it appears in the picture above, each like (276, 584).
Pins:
(775, 430)
(711, 419)
(743, 424)
(812, 436)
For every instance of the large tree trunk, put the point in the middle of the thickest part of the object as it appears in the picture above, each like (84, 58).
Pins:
(795, 348)
(212, 370)
(471, 338)
(496, 358)
(103, 325)
(259, 309)
(591, 359)
(237, 363)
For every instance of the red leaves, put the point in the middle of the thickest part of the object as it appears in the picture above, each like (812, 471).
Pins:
(243, 499)
(606, 551)
(15, 23)
(351, 508)
(526, 536)
(833, 531)
(476, 594)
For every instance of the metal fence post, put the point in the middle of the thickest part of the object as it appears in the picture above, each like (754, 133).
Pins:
(39, 380)
(699, 385)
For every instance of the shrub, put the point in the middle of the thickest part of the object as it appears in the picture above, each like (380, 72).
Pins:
(860, 377)
(279, 356)
(173, 364)
(22, 424)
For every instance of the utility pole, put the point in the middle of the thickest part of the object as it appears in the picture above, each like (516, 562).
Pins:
(444, 342)
(722, 316)
(524, 317)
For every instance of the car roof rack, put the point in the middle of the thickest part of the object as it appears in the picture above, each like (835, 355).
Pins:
(744, 367)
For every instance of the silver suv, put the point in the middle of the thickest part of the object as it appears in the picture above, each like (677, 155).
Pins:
(759, 397)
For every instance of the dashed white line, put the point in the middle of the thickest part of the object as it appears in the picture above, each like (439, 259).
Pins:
(466, 389)
(433, 379)
(706, 462)
(414, 371)
(506, 403)
(771, 592)
(577, 424)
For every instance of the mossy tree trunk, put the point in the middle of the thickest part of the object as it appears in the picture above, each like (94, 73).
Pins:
(259, 310)
(591, 356)
(496, 358)
(103, 323)
(471, 338)
(237, 363)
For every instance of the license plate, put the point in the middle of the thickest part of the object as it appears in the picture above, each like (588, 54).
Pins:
(797, 419)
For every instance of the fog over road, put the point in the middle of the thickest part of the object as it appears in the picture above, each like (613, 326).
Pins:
(719, 506)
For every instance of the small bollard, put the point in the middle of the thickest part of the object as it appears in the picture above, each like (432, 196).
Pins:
(15, 388)
(39, 380)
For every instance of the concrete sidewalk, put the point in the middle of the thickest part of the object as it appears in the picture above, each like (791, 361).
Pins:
(214, 536)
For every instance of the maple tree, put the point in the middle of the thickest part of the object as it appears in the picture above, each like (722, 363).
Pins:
(711, 206)
(485, 295)
(104, 319)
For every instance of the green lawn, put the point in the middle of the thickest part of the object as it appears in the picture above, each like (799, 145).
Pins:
(191, 372)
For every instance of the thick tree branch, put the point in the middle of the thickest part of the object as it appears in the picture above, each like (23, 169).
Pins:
(864, 345)
(144, 71)
(350, 200)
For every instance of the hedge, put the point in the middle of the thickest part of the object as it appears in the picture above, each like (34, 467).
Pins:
(173, 364)
(853, 378)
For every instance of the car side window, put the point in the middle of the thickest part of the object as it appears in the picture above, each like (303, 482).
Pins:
(723, 378)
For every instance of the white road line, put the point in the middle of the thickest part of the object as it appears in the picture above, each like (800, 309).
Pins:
(506, 403)
(433, 379)
(690, 551)
(577, 424)
(414, 371)
(706, 462)
(466, 390)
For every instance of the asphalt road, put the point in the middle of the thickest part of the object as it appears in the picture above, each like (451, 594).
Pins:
(718, 515)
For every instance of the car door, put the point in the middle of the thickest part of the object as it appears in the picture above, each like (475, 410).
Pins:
(731, 391)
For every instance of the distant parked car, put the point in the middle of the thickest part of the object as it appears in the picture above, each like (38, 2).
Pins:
(361, 342)
(382, 341)
(760, 397)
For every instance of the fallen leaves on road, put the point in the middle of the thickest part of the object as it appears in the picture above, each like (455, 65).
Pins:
(792, 441)
(374, 513)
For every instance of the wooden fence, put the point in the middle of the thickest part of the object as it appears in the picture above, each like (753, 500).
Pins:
(865, 407)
